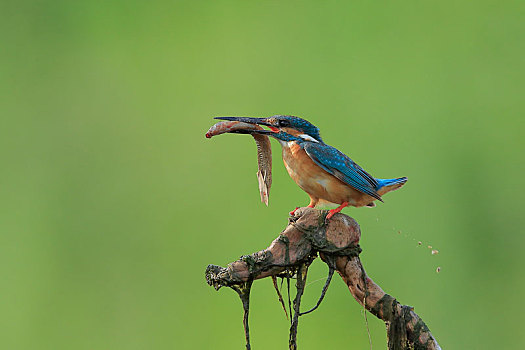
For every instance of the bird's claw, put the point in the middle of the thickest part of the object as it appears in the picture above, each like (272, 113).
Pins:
(329, 215)
(332, 212)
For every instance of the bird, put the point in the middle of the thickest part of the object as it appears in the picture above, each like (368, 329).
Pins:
(327, 175)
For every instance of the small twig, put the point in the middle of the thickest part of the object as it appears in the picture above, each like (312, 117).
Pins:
(363, 274)
(279, 295)
(244, 293)
(325, 288)
(302, 271)
(289, 297)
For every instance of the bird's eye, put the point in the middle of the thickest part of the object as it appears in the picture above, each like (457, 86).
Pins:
(284, 123)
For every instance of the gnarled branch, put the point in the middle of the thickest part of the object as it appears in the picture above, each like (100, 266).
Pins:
(337, 242)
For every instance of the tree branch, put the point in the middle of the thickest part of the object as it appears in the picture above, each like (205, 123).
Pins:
(337, 242)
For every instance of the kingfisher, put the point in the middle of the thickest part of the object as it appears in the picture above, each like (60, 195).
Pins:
(326, 174)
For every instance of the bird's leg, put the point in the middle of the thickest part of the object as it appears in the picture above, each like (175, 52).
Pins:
(331, 212)
(313, 201)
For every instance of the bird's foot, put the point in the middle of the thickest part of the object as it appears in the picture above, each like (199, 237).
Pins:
(292, 213)
(332, 212)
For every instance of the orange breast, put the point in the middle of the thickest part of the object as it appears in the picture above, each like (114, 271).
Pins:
(318, 183)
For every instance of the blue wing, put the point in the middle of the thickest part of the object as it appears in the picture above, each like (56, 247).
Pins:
(342, 167)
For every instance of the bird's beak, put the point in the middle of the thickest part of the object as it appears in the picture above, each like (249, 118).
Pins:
(263, 132)
(250, 120)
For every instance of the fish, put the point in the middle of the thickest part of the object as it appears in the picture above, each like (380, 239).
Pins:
(264, 151)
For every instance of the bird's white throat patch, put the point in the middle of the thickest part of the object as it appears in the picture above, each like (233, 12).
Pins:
(307, 138)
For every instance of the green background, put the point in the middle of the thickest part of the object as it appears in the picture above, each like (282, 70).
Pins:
(113, 202)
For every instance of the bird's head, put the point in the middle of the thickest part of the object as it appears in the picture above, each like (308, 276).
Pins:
(294, 126)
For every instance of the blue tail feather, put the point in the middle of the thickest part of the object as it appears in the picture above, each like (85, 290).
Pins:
(389, 182)
(387, 185)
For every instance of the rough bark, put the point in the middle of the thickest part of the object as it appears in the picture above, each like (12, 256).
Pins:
(337, 243)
